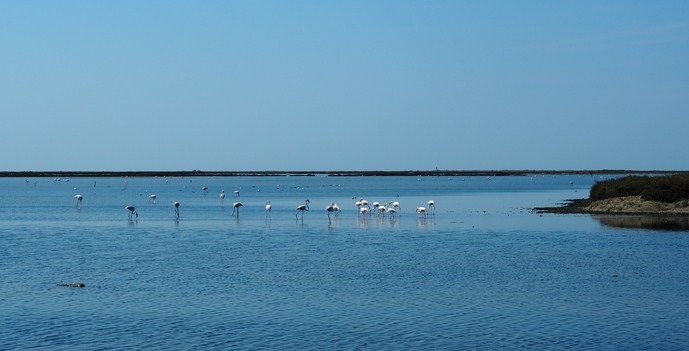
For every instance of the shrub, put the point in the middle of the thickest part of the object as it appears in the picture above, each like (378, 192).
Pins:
(671, 188)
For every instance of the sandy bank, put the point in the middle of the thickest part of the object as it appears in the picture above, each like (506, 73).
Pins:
(627, 205)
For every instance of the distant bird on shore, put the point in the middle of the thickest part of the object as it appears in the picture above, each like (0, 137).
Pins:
(80, 200)
(132, 211)
(302, 208)
(176, 206)
(235, 207)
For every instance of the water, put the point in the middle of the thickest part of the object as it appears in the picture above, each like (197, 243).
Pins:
(484, 272)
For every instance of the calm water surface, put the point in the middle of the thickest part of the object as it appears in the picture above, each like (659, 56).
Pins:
(484, 272)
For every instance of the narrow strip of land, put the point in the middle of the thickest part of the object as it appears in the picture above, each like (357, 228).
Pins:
(416, 173)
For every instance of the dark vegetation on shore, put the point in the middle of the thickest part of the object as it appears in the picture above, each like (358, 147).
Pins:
(670, 188)
(415, 173)
(667, 188)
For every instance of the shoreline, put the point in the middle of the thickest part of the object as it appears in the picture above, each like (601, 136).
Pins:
(620, 206)
(409, 173)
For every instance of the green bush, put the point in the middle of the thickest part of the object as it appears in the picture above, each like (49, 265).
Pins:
(671, 188)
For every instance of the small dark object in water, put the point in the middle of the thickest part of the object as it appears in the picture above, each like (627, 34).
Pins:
(73, 285)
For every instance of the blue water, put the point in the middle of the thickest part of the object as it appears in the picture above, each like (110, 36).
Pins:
(483, 272)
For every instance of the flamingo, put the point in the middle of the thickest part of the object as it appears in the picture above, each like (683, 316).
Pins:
(363, 210)
(268, 207)
(421, 211)
(431, 206)
(396, 205)
(302, 208)
(235, 207)
(375, 205)
(336, 209)
(152, 198)
(132, 211)
(330, 208)
(391, 211)
(236, 193)
(176, 206)
(222, 198)
(79, 199)
(382, 209)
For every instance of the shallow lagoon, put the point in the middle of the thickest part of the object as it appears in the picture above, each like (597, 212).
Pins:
(483, 272)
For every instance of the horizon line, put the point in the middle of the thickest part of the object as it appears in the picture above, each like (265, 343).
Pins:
(434, 172)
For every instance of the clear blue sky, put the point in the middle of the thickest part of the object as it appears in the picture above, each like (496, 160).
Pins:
(344, 85)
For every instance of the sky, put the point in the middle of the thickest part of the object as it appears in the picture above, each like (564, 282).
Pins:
(343, 85)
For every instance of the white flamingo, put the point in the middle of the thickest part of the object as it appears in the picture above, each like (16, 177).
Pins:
(176, 206)
(396, 206)
(152, 198)
(235, 207)
(222, 198)
(391, 211)
(302, 208)
(268, 208)
(336, 209)
(431, 206)
(421, 211)
(80, 200)
(132, 211)
(375, 205)
(381, 210)
(331, 208)
(236, 193)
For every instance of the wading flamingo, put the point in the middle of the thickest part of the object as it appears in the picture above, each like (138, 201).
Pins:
(176, 206)
(132, 211)
(391, 211)
(421, 211)
(80, 200)
(268, 208)
(235, 207)
(330, 208)
(431, 206)
(302, 208)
